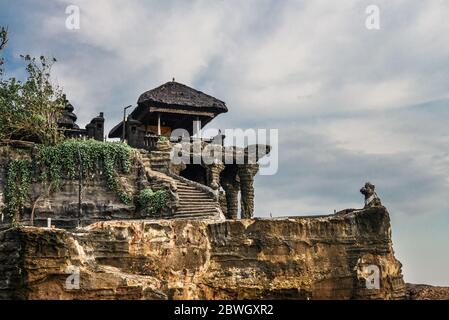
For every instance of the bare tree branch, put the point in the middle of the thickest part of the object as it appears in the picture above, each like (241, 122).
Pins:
(3, 37)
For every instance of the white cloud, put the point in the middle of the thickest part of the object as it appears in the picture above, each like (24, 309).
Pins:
(277, 59)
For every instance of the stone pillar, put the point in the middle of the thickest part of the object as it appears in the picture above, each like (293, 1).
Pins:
(230, 182)
(246, 173)
(232, 198)
(213, 172)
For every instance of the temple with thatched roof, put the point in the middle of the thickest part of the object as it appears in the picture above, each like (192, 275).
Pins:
(171, 106)
(166, 108)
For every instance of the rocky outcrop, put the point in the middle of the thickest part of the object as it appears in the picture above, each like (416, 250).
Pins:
(426, 292)
(321, 257)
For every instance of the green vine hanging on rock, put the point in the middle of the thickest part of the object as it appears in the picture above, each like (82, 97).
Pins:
(52, 164)
(104, 158)
(18, 179)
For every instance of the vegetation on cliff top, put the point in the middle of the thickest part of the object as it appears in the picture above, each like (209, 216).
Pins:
(30, 109)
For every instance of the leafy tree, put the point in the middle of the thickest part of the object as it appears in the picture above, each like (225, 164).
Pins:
(30, 110)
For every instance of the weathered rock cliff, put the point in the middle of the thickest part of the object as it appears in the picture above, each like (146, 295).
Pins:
(298, 258)
(426, 292)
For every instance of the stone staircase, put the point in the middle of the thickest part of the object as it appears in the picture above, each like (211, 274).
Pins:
(156, 160)
(194, 202)
(159, 161)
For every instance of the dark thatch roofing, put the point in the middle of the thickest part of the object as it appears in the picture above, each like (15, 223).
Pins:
(174, 94)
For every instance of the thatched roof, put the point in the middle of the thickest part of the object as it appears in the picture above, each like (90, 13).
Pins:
(181, 104)
(177, 95)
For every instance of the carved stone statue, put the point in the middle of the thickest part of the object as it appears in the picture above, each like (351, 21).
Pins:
(371, 197)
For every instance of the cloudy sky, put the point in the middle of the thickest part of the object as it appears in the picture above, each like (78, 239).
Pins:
(351, 104)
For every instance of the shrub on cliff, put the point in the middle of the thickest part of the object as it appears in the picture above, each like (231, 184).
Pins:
(151, 201)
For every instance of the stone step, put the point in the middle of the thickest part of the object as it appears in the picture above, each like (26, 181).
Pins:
(188, 188)
(159, 162)
(194, 215)
(157, 153)
(197, 209)
(158, 165)
(192, 192)
(194, 195)
(197, 201)
(188, 215)
(209, 211)
(199, 206)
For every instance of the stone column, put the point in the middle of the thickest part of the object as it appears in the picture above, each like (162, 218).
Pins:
(230, 182)
(213, 172)
(232, 197)
(246, 173)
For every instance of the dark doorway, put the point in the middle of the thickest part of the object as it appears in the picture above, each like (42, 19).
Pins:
(195, 172)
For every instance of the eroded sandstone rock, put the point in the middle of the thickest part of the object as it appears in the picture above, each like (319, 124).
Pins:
(285, 258)
(426, 292)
